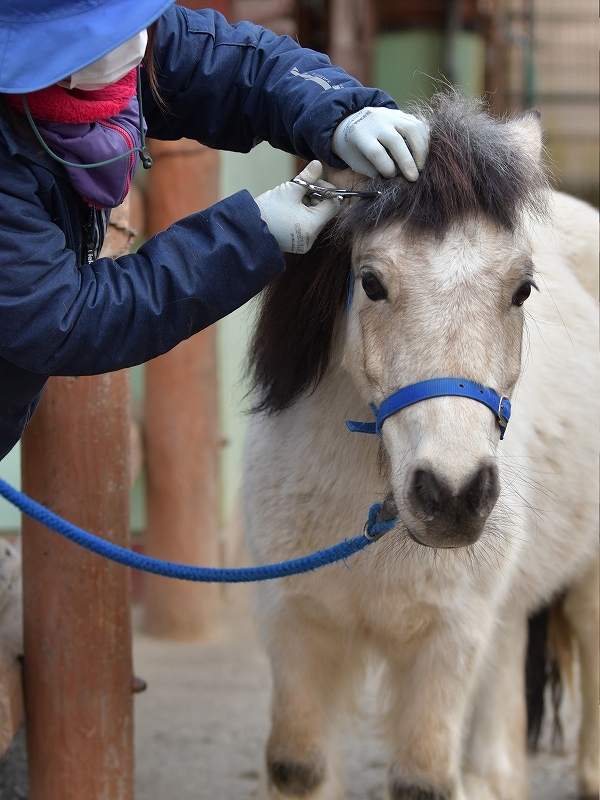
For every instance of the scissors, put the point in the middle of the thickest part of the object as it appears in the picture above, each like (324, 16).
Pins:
(325, 193)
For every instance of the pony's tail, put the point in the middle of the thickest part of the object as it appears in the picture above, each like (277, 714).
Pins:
(550, 655)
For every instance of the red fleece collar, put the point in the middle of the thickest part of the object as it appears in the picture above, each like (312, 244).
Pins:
(56, 104)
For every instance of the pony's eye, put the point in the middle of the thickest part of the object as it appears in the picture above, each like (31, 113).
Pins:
(373, 289)
(522, 293)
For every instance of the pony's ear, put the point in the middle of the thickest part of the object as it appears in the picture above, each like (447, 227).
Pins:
(527, 133)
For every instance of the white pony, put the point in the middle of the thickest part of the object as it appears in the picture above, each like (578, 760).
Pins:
(488, 530)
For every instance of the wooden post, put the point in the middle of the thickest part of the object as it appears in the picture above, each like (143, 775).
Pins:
(351, 34)
(77, 666)
(493, 14)
(182, 426)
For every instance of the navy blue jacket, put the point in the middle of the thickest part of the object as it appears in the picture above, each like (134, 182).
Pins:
(63, 311)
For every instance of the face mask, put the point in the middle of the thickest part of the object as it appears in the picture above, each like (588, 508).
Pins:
(111, 67)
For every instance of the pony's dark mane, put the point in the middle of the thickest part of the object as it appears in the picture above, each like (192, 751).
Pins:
(291, 344)
(473, 168)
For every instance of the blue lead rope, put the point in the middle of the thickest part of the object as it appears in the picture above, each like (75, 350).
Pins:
(374, 529)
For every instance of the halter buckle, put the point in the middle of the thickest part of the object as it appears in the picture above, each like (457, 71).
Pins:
(501, 416)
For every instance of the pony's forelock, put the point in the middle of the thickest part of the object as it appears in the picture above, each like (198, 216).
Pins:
(475, 166)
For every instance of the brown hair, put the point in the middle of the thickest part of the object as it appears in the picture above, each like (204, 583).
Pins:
(292, 341)
(150, 65)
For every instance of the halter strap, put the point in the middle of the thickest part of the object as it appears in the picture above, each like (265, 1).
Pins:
(436, 387)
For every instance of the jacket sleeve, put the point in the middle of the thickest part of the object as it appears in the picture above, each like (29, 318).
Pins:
(60, 319)
(232, 86)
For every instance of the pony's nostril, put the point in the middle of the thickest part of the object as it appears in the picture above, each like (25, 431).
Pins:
(427, 494)
(482, 491)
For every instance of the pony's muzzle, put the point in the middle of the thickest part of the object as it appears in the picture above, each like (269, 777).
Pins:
(446, 516)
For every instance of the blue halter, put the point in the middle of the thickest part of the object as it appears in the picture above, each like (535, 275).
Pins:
(424, 390)
(436, 387)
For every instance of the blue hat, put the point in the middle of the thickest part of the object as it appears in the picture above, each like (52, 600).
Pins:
(44, 41)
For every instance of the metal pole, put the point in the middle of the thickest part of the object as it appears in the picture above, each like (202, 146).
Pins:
(181, 415)
(77, 665)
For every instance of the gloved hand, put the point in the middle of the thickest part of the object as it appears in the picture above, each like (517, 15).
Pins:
(369, 139)
(294, 224)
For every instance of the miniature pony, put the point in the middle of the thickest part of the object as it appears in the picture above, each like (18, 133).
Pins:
(467, 273)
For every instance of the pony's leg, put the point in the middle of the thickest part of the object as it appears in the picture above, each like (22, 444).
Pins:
(310, 663)
(495, 761)
(581, 609)
(429, 681)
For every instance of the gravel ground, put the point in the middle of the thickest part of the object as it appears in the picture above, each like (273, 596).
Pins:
(202, 724)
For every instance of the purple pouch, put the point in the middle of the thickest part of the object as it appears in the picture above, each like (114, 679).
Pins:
(86, 143)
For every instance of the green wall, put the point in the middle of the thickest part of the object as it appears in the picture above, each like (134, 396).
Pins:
(10, 470)
(408, 64)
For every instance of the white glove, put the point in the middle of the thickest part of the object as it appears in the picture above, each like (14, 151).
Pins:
(369, 139)
(294, 224)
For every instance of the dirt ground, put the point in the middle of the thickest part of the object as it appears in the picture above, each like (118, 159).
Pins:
(202, 724)
(203, 721)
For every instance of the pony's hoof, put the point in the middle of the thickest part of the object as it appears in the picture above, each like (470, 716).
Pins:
(400, 790)
(297, 778)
